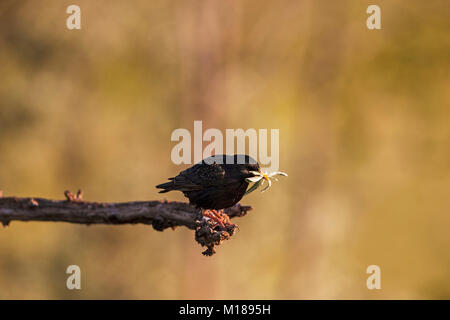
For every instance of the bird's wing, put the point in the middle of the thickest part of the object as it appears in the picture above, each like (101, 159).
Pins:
(198, 177)
(203, 175)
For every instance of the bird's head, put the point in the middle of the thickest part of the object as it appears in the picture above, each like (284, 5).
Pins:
(250, 167)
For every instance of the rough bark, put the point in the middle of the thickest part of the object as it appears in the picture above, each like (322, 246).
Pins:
(159, 214)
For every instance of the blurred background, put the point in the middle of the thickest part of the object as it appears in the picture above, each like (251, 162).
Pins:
(364, 135)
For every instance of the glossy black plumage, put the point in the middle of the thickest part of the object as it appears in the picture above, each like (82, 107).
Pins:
(214, 185)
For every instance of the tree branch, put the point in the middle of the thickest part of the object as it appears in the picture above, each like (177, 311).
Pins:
(159, 214)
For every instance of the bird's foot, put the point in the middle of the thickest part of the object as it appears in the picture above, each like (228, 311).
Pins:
(220, 219)
(221, 213)
(212, 231)
(213, 216)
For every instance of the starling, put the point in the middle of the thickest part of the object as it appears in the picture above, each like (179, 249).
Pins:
(215, 183)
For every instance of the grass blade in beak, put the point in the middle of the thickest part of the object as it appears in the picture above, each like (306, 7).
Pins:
(268, 185)
(254, 187)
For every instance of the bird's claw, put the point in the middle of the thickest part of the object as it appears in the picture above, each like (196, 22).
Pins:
(219, 219)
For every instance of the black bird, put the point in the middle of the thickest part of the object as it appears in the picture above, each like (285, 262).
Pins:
(215, 183)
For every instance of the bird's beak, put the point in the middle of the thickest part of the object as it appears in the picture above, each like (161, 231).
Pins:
(260, 174)
(257, 175)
